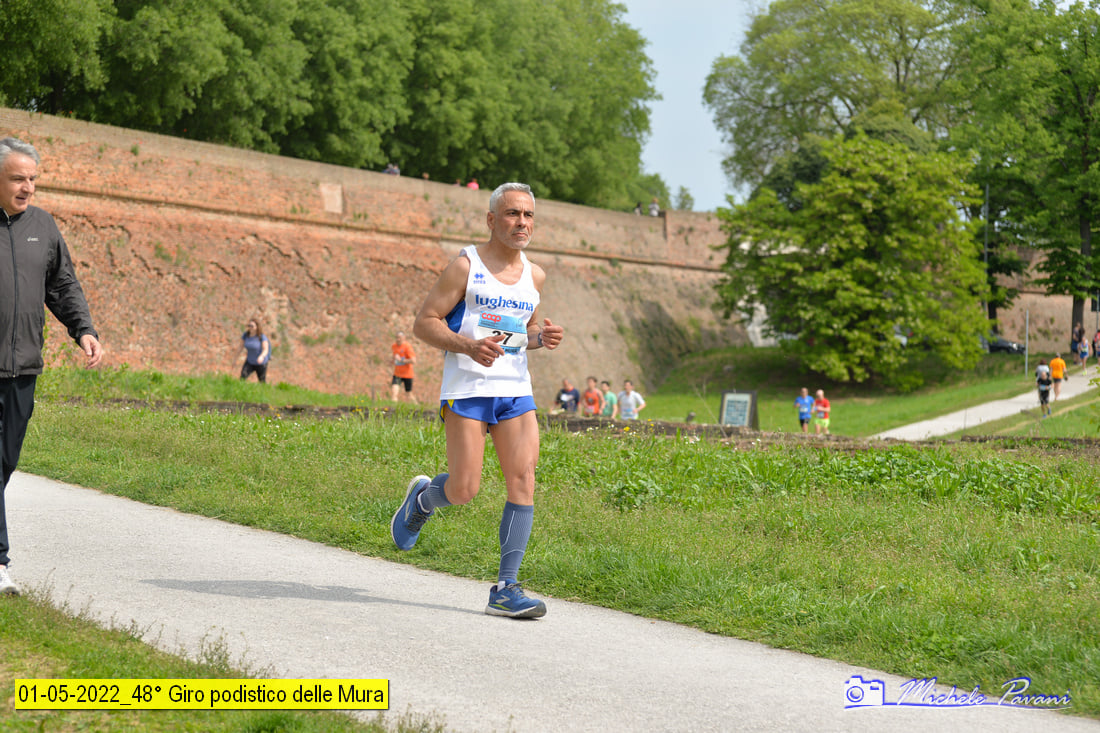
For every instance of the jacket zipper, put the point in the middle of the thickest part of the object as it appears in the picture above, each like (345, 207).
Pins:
(15, 292)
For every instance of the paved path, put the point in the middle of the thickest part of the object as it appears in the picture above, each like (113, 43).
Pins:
(1076, 385)
(297, 609)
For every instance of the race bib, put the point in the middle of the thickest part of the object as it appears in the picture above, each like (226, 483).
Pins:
(514, 331)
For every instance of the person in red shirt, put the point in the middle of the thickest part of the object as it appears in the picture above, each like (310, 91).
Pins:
(821, 412)
(403, 360)
(592, 399)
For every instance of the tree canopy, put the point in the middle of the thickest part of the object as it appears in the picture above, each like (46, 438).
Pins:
(1010, 86)
(875, 247)
(1035, 127)
(554, 94)
(810, 67)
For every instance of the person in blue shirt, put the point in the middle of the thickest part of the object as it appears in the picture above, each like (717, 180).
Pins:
(257, 351)
(805, 405)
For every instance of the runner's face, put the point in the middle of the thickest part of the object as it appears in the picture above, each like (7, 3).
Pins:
(513, 222)
(17, 183)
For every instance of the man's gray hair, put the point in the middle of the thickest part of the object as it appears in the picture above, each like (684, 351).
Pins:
(504, 188)
(11, 145)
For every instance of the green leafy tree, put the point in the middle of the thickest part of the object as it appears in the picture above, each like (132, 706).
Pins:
(262, 91)
(47, 46)
(809, 67)
(158, 58)
(573, 116)
(1036, 129)
(359, 54)
(877, 243)
(684, 200)
(555, 94)
(454, 94)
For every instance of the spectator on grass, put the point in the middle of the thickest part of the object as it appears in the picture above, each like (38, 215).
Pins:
(39, 264)
(630, 402)
(1075, 339)
(257, 351)
(569, 397)
(610, 401)
(592, 399)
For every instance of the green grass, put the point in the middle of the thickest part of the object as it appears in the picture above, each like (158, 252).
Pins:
(125, 383)
(857, 410)
(1074, 418)
(40, 641)
(957, 561)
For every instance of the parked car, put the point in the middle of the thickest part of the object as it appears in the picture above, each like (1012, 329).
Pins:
(1003, 346)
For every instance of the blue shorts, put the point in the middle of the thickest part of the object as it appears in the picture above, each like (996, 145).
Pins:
(490, 410)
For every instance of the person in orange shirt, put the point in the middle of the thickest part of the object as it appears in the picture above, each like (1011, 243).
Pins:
(1058, 373)
(592, 399)
(403, 360)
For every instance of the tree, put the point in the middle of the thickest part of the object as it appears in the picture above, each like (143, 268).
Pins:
(262, 92)
(46, 46)
(452, 90)
(575, 115)
(358, 57)
(1036, 131)
(158, 58)
(809, 67)
(684, 200)
(555, 94)
(876, 244)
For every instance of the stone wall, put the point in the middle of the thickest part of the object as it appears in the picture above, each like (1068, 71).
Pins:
(179, 242)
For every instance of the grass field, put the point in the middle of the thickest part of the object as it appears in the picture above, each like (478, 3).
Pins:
(959, 561)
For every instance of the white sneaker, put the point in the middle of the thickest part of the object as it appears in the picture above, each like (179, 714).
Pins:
(7, 585)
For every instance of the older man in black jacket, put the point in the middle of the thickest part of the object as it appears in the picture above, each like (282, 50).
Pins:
(35, 269)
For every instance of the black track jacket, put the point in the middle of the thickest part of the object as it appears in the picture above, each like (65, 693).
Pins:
(35, 269)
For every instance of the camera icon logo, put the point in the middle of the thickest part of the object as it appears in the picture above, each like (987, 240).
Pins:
(864, 693)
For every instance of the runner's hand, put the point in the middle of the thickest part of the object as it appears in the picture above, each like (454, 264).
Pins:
(486, 351)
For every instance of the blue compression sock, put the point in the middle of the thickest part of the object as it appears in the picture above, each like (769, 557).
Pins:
(515, 531)
(434, 497)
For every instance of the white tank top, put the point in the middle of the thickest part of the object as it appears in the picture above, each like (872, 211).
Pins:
(491, 307)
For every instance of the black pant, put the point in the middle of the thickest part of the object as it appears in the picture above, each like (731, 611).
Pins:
(260, 369)
(16, 406)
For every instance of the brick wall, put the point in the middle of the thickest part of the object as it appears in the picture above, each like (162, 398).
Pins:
(178, 243)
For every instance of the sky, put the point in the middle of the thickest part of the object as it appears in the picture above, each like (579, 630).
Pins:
(684, 38)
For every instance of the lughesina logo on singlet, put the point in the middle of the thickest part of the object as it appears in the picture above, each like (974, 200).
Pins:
(497, 302)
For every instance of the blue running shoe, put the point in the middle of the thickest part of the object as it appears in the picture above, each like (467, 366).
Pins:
(511, 601)
(408, 519)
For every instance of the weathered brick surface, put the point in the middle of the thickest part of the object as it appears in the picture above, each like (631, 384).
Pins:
(177, 243)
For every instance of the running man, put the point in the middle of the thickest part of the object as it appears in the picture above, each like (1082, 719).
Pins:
(821, 412)
(483, 313)
(1058, 374)
(805, 405)
(403, 359)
